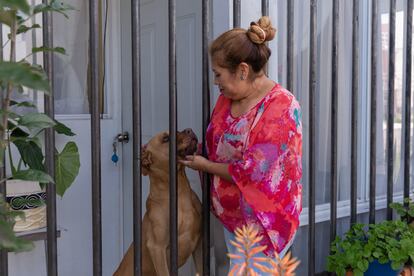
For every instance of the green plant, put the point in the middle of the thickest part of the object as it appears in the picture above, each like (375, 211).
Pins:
(8, 239)
(25, 130)
(349, 253)
(388, 242)
(405, 210)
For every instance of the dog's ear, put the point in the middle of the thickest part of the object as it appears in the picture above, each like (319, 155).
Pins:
(145, 161)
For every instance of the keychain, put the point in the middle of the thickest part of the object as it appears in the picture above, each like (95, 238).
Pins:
(114, 157)
(119, 138)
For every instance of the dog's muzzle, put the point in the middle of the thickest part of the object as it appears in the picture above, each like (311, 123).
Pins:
(191, 141)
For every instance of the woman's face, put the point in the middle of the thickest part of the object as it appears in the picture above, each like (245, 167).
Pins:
(230, 84)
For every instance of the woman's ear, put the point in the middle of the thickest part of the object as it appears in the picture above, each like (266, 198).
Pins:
(243, 71)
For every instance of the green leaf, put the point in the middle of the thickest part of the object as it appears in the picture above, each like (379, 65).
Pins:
(31, 154)
(383, 260)
(33, 175)
(18, 133)
(358, 273)
(8, 239)
(22, 104)
(7, 17)
(24, 74)
(366, 264)
(21, 5)
(396, 265)
(66, 167)
(59, 50)
(63, 129)
(2, 154)
(10, 242)
(360, 265)
(36, 121)
(54, 6)
(23, 28)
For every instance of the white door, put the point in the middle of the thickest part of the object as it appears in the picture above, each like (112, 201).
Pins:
(74, 209)
(154, 76)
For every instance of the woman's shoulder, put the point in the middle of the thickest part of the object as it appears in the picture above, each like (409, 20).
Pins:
(281, 98)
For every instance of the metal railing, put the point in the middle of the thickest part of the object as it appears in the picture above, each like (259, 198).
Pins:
(3, 253)
(52, 264)
(312, 141)
(137, 134)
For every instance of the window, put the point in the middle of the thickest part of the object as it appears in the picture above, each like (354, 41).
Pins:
(71, 70)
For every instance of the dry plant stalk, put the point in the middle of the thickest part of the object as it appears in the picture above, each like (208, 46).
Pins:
(246, 239)
(407, 271)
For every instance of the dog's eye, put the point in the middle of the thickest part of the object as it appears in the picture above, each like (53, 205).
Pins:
(166, 138)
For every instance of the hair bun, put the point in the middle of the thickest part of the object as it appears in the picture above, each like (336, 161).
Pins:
(261, 31)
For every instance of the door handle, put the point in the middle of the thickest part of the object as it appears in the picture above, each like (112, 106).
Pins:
(122, 137)
(119, 138)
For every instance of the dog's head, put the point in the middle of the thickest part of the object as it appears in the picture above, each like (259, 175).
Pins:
(155, 154)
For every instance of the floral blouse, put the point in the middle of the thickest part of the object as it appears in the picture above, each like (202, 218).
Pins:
(264, 150)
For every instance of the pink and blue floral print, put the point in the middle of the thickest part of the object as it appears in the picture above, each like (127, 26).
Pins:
(264, 150)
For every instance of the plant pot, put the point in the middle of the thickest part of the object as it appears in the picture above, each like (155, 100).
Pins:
(375, 269)
(29, 198)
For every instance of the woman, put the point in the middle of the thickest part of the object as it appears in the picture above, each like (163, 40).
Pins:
(254, 142)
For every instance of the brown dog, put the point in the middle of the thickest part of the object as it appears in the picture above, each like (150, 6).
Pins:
(155, 226)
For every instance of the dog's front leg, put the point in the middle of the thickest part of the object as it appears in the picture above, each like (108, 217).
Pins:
(198, 257)
(158, 251)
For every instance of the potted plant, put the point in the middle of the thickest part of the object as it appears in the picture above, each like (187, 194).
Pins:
(24, 130)
(386, 246)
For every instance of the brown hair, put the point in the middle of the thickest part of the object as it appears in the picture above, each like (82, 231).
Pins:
(239, 45)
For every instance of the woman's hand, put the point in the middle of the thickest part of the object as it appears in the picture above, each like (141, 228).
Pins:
(196, 162)
(199, 163)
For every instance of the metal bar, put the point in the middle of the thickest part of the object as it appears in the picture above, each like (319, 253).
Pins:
(312, 144)
(236, 13)
(290, 43)
(3, 253)
(354, 113)
(95, 137)
(137, 133)
(265, 7)
(34, 44)
(408, 52)
(373, 127)
(52, 269)
(334, 122)
(206, 119)
(101, 55)
(390, 121)
(173, 136)
(265, 12)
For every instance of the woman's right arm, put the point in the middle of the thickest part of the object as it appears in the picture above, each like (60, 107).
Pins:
(200, 163)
